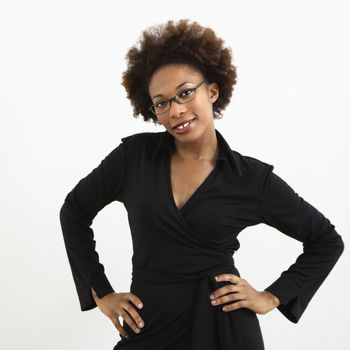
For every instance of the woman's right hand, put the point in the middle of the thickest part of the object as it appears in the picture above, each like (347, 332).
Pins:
(114, 305)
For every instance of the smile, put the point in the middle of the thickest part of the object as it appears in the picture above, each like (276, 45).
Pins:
(185, 127)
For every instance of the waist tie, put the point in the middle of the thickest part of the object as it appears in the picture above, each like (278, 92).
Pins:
(203, 324)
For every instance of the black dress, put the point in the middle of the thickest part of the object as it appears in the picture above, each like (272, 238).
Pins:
(178, 252)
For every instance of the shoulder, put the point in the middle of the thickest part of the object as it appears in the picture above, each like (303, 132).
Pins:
(141, 143)
(253, 168)
(141, 138)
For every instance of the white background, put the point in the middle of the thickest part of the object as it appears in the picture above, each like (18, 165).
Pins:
(63, 109)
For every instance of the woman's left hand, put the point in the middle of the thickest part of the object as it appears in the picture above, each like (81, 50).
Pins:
(243, 295)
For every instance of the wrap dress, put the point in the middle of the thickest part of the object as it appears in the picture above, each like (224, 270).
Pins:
(178, 252)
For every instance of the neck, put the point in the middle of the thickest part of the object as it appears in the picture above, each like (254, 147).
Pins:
(204, 148)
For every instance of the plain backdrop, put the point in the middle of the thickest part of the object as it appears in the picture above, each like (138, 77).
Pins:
(63, 109)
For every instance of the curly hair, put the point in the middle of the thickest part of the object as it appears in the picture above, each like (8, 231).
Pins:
(178, 43)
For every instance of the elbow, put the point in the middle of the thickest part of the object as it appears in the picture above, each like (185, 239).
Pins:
(66, 217)
(63, 218)
(341, 246)
(331, 245)
(337, 246)
(62, 212)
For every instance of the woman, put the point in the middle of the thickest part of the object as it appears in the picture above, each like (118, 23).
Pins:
(188, 195)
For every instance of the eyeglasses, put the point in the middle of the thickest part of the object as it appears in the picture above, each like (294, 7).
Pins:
(182, 97)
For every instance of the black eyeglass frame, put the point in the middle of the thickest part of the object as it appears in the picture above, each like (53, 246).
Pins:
(169, 100)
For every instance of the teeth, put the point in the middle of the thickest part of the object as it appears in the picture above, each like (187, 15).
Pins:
(182, 125)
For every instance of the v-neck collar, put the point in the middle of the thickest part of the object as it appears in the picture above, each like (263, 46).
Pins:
(166, 145)
(193, 195)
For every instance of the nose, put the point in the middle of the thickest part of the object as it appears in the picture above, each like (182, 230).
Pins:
(176, 109)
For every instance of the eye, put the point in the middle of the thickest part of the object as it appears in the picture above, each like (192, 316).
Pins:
(186, 92)
(161, 103)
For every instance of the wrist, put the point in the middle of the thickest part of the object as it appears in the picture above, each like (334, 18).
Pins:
(275, 301)
(94, 295)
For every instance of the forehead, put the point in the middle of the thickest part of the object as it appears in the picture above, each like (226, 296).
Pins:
(166, 78)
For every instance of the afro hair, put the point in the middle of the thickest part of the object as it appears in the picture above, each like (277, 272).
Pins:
(184, 42)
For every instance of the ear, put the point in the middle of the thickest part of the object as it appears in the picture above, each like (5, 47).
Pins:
(213, 90)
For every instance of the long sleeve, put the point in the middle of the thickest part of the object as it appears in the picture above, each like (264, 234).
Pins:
(282, 208)
(103, 185)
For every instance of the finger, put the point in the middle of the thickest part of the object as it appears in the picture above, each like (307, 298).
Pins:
(133, 318)
(126, 317)
(226, 298)
(136, 318)
(229, 288)
(235, 306)
(119, 327)
(228, 277)
(136, 300)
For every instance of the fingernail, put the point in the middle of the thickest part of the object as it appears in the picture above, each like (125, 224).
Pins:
(217, 278)
(141, 324)
(140, 305)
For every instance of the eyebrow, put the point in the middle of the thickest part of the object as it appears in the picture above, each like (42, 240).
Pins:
(178, 86)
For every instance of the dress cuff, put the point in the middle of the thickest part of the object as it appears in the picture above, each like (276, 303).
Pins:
(291, 306)
(101, 286)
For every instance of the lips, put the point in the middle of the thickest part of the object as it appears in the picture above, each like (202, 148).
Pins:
(186, 121)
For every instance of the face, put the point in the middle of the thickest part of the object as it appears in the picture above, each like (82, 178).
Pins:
(198, 111)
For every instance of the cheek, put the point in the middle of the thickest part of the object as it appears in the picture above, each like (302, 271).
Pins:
(203, 114)
(203, 108)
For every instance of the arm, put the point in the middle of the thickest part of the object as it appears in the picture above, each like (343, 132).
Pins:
(100, 187)
(282, 208)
